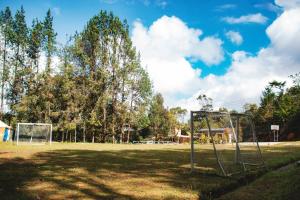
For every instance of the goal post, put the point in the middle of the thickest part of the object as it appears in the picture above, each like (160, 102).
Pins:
(33, 133)
(231, 139)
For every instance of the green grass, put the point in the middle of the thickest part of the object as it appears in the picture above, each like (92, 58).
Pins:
(106, 171)
(275, 185)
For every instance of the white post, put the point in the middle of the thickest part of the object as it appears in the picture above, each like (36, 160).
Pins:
(50, 134)
(18, 129)
(75, 133)
(31, 134)
(192, 141)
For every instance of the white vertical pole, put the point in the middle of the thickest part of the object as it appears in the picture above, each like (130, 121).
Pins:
(75, 133)
(18, 129)
(192, 141)
(31, 133)
(50, 134)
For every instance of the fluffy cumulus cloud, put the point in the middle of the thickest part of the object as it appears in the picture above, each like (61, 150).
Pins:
(235, 37)
(245, 19)
(287, 4)
(269, 6)
(249, 74)
(168, 41)
(55, 63)
(165, 49)
(224, 7)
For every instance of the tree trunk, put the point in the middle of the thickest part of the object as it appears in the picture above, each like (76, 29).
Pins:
(48, 65)
(122, 133)
(75, 133)
(84, 132)
(128, 135)
(62, 136)
(93, 138)
(67, 135)
(3, 72)
(70, 136)
(104, 122)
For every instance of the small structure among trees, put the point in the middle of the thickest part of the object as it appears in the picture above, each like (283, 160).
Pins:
(5, 132)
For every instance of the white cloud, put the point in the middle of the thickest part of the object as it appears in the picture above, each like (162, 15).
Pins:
(165, 47)
(225, 7)
(288, 4)
(269, 6)
(56, 11)
(249, 74)
(161, 3)
(235, 37)
(284, 33)
(109, 1)
(55, 62)
(251, 18)
(168, 41)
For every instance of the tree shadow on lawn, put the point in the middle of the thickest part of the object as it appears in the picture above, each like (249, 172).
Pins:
(126, 174)
(123, 174)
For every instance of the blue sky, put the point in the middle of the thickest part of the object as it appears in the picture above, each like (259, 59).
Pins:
(232, 48)
(70, 16)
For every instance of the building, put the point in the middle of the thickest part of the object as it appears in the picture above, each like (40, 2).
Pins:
(5, 132)
(224, 135)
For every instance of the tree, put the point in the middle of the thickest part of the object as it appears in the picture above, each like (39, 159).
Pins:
(16, 88)
(6, 21)
(100, 87)
(179, 113)
(35, 44)
(109, 71)
(205, 102)
(49, 39)
(158, 117)
(250, 109)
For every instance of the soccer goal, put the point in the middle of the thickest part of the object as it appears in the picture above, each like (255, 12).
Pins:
(33, 133)
(231, 139)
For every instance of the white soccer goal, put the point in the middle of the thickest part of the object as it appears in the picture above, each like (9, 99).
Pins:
(232, 139)
(33, 133)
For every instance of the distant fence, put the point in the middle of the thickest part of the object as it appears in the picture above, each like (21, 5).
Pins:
(153, 142)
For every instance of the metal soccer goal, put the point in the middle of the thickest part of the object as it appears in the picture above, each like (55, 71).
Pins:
(232, 138)
(33, 133)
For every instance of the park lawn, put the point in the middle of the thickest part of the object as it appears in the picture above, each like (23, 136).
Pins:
(120, 171)
(280, 184)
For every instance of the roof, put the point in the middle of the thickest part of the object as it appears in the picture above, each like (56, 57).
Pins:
(3, 125)
(128, 129)
(212, 130)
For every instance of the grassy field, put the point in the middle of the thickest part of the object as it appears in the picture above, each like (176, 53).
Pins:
(283, 183)
(121, 171)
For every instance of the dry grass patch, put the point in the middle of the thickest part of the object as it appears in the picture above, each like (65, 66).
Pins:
(106, 171)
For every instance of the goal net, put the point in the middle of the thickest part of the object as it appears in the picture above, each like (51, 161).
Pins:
(229, 139)
(33, 133)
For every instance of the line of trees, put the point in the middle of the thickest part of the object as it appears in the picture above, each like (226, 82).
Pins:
(279, 105)
(99, 91)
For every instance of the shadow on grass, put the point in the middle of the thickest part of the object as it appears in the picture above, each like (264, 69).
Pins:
(123, 174)
(126, 174)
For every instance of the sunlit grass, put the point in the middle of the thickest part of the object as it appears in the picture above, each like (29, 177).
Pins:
(123, 171)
